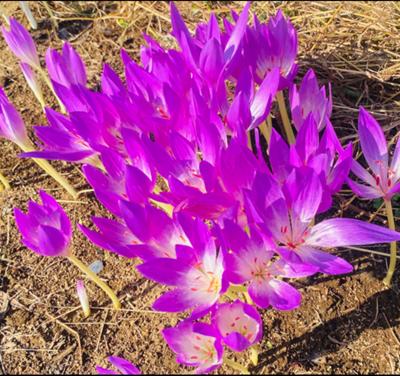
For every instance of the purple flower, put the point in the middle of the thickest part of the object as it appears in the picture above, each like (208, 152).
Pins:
(251, 260)
(196, 344)
(66, 69)
(60, 140)
(196, 275)
(124, 367)
(384, 179)
(32, 81)
(326, 157)
(287, 215)
(239, 324)
(112, 236)
(148, 232)
(248, 113)
(310, 99)
(45, 229)
(12, 126)
(273, 46)
(21, 43)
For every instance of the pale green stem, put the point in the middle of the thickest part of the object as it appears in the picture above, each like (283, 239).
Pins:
(266, 128)
(247, 298)
(48, 168)
(285, 117)
(254, 355)
(393, 246)
(4, 182)
(236, 366)
(231, 295)
(237, 288)
(94, 278)
(169, 209)
(49, 84)
(249, 140)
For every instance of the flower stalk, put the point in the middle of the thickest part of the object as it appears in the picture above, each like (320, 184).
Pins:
(254, 355)
(285, 117)
(4, 183)
(94, 278)
(46, 79)
(393, 246)
(49, 169)
(236, 366)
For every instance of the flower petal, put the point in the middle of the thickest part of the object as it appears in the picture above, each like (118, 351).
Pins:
(327, 263)
(339, 232)
(372, 140)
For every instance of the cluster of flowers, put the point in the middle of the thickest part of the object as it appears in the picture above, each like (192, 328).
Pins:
(177, 155)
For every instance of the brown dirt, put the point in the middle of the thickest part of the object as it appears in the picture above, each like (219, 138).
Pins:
(345, 324)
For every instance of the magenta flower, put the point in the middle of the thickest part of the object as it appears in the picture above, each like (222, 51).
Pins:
(287, 214)
(196, 275)
(273, 45)
(12, 126)
(124, 367)
(112, 236)
(46, 228)
(21, 43)
(60, 140)
(384, 178)
(239, 324)
(326, 157)
(309, 98)
(147, 233)
(196, 345)
(33, 82)
(250, 260)
(67, 68)
(247, 113)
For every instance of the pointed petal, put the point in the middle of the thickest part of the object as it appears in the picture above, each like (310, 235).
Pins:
(327, 263)
(125, 367)
(173, 301)
(339, 232)
(362, 190)
(372, 140)
(163, 270)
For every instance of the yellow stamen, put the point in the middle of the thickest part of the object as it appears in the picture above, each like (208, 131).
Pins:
(46, 166)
